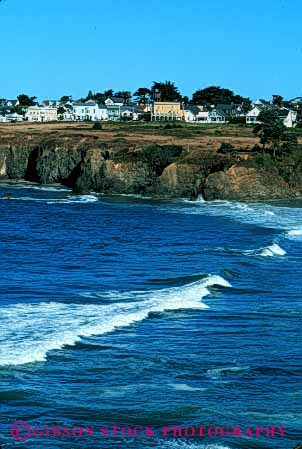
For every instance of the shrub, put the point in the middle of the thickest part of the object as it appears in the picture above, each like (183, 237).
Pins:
(97, 125)
(225, 148)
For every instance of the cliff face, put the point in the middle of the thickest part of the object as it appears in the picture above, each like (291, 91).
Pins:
(245, 184)
(162, 171)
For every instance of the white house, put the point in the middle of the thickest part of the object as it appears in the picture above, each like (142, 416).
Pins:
(252, 115)
(41, 114)
(191, 113)
(198, 114)
(14, 117)
(102, 112)
(114, 101)
(288, 116)
(12, 103)
(131, 112)
(89, 110)
(216, 116)
(84, 111)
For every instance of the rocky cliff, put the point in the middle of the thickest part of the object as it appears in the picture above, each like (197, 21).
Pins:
(166, 171)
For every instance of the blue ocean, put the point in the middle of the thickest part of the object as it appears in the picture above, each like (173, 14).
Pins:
(135, 312)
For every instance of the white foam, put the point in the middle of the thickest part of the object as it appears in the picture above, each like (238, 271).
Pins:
(273, 250)
(268, 251)
(186, 387)
(200, 199)
(51, 188)
(216, 372)
(29, 331)
(82, 198)
(45, 187)
(89, 198)
(276, 217)
(295, 232)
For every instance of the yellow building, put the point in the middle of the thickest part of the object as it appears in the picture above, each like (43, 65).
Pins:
(166, 110)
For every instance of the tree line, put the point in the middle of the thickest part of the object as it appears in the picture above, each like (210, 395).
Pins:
(159, 91)
(168, 91)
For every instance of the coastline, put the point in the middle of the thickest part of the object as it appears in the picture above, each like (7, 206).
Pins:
(146, 164)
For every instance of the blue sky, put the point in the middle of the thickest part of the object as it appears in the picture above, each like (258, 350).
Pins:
(50, 48)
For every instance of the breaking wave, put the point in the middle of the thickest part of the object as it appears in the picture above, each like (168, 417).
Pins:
(89, 198)
(42, 187)
(29, 331)
(217, 372)
(294, 234)
(268, 251)
(266, 215)
(69, 199)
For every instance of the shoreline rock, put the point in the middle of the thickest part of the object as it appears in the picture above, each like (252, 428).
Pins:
(166, 171)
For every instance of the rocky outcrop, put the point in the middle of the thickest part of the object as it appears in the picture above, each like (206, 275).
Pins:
(17, 158)
(100, 173)
(3, 163)
(166, 171)
(245, 184)
(132, 171)
(179, 180)
(56, 164)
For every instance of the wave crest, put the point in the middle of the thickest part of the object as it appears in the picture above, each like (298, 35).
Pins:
(267, 251)
(29, 331)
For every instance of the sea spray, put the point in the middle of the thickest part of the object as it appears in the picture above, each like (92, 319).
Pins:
(29, 331)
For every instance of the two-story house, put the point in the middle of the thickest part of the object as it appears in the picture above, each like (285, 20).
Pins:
(114, 101)
(166, 110)
(90, 110)
(216, 116)
(41, 114)
(131, 112)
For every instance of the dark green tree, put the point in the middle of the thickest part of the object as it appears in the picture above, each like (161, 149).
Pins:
(142, 95)
(66, 98)
(90, 96)
(215, 95)
(100, 97)
(125, 95)
(60, 112)
(25, 100)
(270, 130)
(165, 91)
(278, 100)
(108, 93)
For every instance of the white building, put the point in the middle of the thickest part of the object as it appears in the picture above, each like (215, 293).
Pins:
(191, 113)
(102, 112)
(216, 116)
(12, 103)
(114, 101)
(14, 117)
(288, 116)
(131, 112)
(252, 115)
(197, 114)
(41, 114)
(89, 110)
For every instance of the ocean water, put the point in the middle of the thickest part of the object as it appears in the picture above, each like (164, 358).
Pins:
(134, 312)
